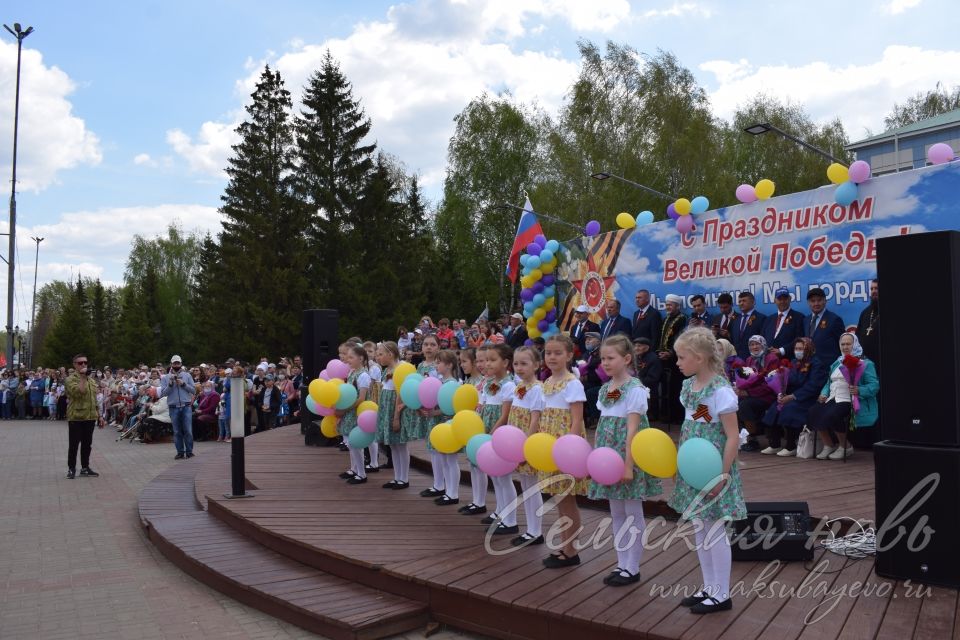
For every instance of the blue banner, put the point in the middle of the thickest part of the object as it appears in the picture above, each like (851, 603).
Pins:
(799, 241)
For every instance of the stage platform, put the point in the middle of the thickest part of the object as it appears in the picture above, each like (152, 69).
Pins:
(362, 562)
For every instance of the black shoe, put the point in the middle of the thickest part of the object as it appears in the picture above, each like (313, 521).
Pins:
(372, 469)
(344, 447)
(71, 474)
(473, 510)
(346, 475)
(402, 485)
(504, 530)
(431, 493)
(90, 473)
(357, 480)
(560, 559)
(711, 605)
(179, 456)
(190, 454)
(446, 500)
(390, 485)
(620, 580)
(465, 508)
(490, 519)
(526, 540)
(750, 446)
(696, 598)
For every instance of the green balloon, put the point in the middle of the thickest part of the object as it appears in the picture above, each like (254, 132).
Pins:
(360, 439)
(348, 395)
(474, 444)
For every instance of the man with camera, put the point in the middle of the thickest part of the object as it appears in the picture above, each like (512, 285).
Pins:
(82, 416)
(177, 386)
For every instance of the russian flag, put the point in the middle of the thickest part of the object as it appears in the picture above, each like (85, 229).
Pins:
(528, 229)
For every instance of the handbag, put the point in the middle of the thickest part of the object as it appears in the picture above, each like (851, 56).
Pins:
(806, 443)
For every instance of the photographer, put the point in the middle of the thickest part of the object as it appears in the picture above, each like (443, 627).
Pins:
(178, 388)
(82, 417)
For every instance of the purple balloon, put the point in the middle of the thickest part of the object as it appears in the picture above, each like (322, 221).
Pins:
(940, 153)
(541, 240)
(537, 288)
(605, 466)
(685, 224)
(528, 342)
(533, 249)
(746, 193)
(551, 315)
(570, 453)
(527, 294)
(859, 171)
(593, 228)
(543, 325)
(671, 212)
(547, 280)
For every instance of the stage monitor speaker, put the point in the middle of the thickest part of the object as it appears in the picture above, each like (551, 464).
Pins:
(920, 341)
(918, 508)
(773, 531)
(320, 342)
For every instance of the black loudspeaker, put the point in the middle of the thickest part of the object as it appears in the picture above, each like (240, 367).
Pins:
(773, 531)
(921, 407)
(320, 342)
(918, 508)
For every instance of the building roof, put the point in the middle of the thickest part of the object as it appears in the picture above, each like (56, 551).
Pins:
(950, 118)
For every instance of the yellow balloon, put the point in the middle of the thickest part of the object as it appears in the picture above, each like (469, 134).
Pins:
(401, 372)
(538, 450)
(682, 206)
(314, 388)
(764, 189)
(626, 221)
(535, 275)
(465, 398)
(526, 281)
(655, 453)
(549, 267)
(366, 405)
(465, 424)
(443, 439)
(539, 313)
(328, 395)
(549, 304)
(533, 333)
(335, 381)
(837, 173)
(328, 426)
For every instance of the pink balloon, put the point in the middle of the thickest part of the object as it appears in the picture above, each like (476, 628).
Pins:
(492, 464)
(601, 372)
(940, 153)
(338, 369)
(324, 411)
(508, 443)
(746, 193)
(324, 375)
(367, 421)
(859, 171)
(605, 466)
(570, 452)
(685, 224)
(427, 392)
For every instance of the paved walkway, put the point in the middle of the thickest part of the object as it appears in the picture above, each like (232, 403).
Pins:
(75, 562)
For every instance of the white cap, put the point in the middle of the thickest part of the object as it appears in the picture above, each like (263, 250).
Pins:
(176, 359)
(517, 316)
(672, 297)
(583, 309)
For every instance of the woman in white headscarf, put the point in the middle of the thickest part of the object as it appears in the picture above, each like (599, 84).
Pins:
(848, 400)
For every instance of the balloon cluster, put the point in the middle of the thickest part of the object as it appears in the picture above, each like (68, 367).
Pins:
(847, 180)
(627, 221)
(763, 190)
(682, 210)
(539, 293)
(460, 401)
(329, 392)
(940, 153)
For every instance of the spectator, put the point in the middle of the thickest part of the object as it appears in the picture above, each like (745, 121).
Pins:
(673, 326)
(268, 405)
(804, 381)
(614, 322)
(177, 387)
(722, 321)
(404, 339)
(157, 423)
(518, 332)
(647, 321)
(37, 391)
(458, 334)
(445, 335)
(780, 330)
(699, 316)
(823, 327)
(748, 323)
(475, 338)
(650, 371)
(591, 379)
(205, 420)
(868, 327)
(582, 326)
(754, 394)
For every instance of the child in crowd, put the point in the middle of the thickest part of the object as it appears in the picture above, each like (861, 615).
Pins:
(413, 422)
(472, 361)
(359, 378)
(622, 403)
(468, 366)
(389, 432)
(711, 413)
(563, 414)
(496, 398)
(446, 469)
(223, 413)
(525, 410)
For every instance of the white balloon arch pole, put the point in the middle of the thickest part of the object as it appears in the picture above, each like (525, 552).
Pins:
(237, 472)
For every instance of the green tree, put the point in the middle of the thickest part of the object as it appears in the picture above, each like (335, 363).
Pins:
(134, 335)
(71, 332)
(922, 106)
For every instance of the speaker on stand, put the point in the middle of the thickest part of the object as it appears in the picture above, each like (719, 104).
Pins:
(320, 333)
(917, 465)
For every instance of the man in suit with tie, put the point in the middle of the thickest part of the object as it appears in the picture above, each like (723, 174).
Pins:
(823, 327)
(722, 321)
(782, 329)
(699, 317)
(582, 327)
(749, 322)
(614, 322)
(647, 321)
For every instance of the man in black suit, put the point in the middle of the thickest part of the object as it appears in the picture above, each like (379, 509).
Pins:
(647, 320)
(781, 329)
(518, 332)
(673, 326)
(582, 326)
(699, 317)
(749, 322)
(649, 370)
(614, 322)
(722, 321)
(868, 328)
(823, 327)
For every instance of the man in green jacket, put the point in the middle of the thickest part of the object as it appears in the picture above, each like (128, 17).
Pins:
(82, 416)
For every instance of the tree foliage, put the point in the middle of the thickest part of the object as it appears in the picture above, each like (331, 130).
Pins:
(922, 106)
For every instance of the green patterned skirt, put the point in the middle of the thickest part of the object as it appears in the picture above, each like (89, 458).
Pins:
(612, 432)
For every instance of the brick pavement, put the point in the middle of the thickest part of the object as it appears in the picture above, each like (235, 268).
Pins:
(75, 562)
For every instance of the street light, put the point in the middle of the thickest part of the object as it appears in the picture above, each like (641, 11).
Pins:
(17, 33)
(604, 175)
(33, 310)
(762, 127)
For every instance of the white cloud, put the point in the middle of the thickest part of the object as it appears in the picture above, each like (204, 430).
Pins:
(680, 9)
(144, 159)
(209, 153)
(51, 138)
(861, 95)
(895, 7)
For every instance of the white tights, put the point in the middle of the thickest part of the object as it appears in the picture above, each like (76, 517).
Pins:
(374, 453)
(436, 464)
(401, 462)
(356, 462)
(451, 475)
(628, 527)
(713, 550)
(478, 482)
(532, 504)
(506, 494)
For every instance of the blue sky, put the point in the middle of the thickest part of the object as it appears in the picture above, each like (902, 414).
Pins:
(127, 108)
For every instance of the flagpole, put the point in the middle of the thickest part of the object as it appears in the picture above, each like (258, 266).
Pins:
(505, 205)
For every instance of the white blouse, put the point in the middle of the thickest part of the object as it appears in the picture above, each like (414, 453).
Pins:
(571, 393)
(532, 400)
(504, 394)
(839, 387)
(363, 381)
(636, 402)
(722, 401)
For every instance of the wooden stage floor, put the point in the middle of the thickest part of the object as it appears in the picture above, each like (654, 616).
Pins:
(404, 545)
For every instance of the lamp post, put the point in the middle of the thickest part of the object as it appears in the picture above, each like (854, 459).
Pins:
(19, 34)
(763, 127)
(505, 205)
(33, 310)
(605, 175)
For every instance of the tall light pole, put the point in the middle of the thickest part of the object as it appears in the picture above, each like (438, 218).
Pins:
(17, 33)
(33, 310)
(763, 127)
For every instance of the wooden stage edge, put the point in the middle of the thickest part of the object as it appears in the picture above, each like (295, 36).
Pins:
(363, 562)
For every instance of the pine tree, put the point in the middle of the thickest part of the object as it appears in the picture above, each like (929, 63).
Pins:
(133, 335)
(71, 333)
(98, 322)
